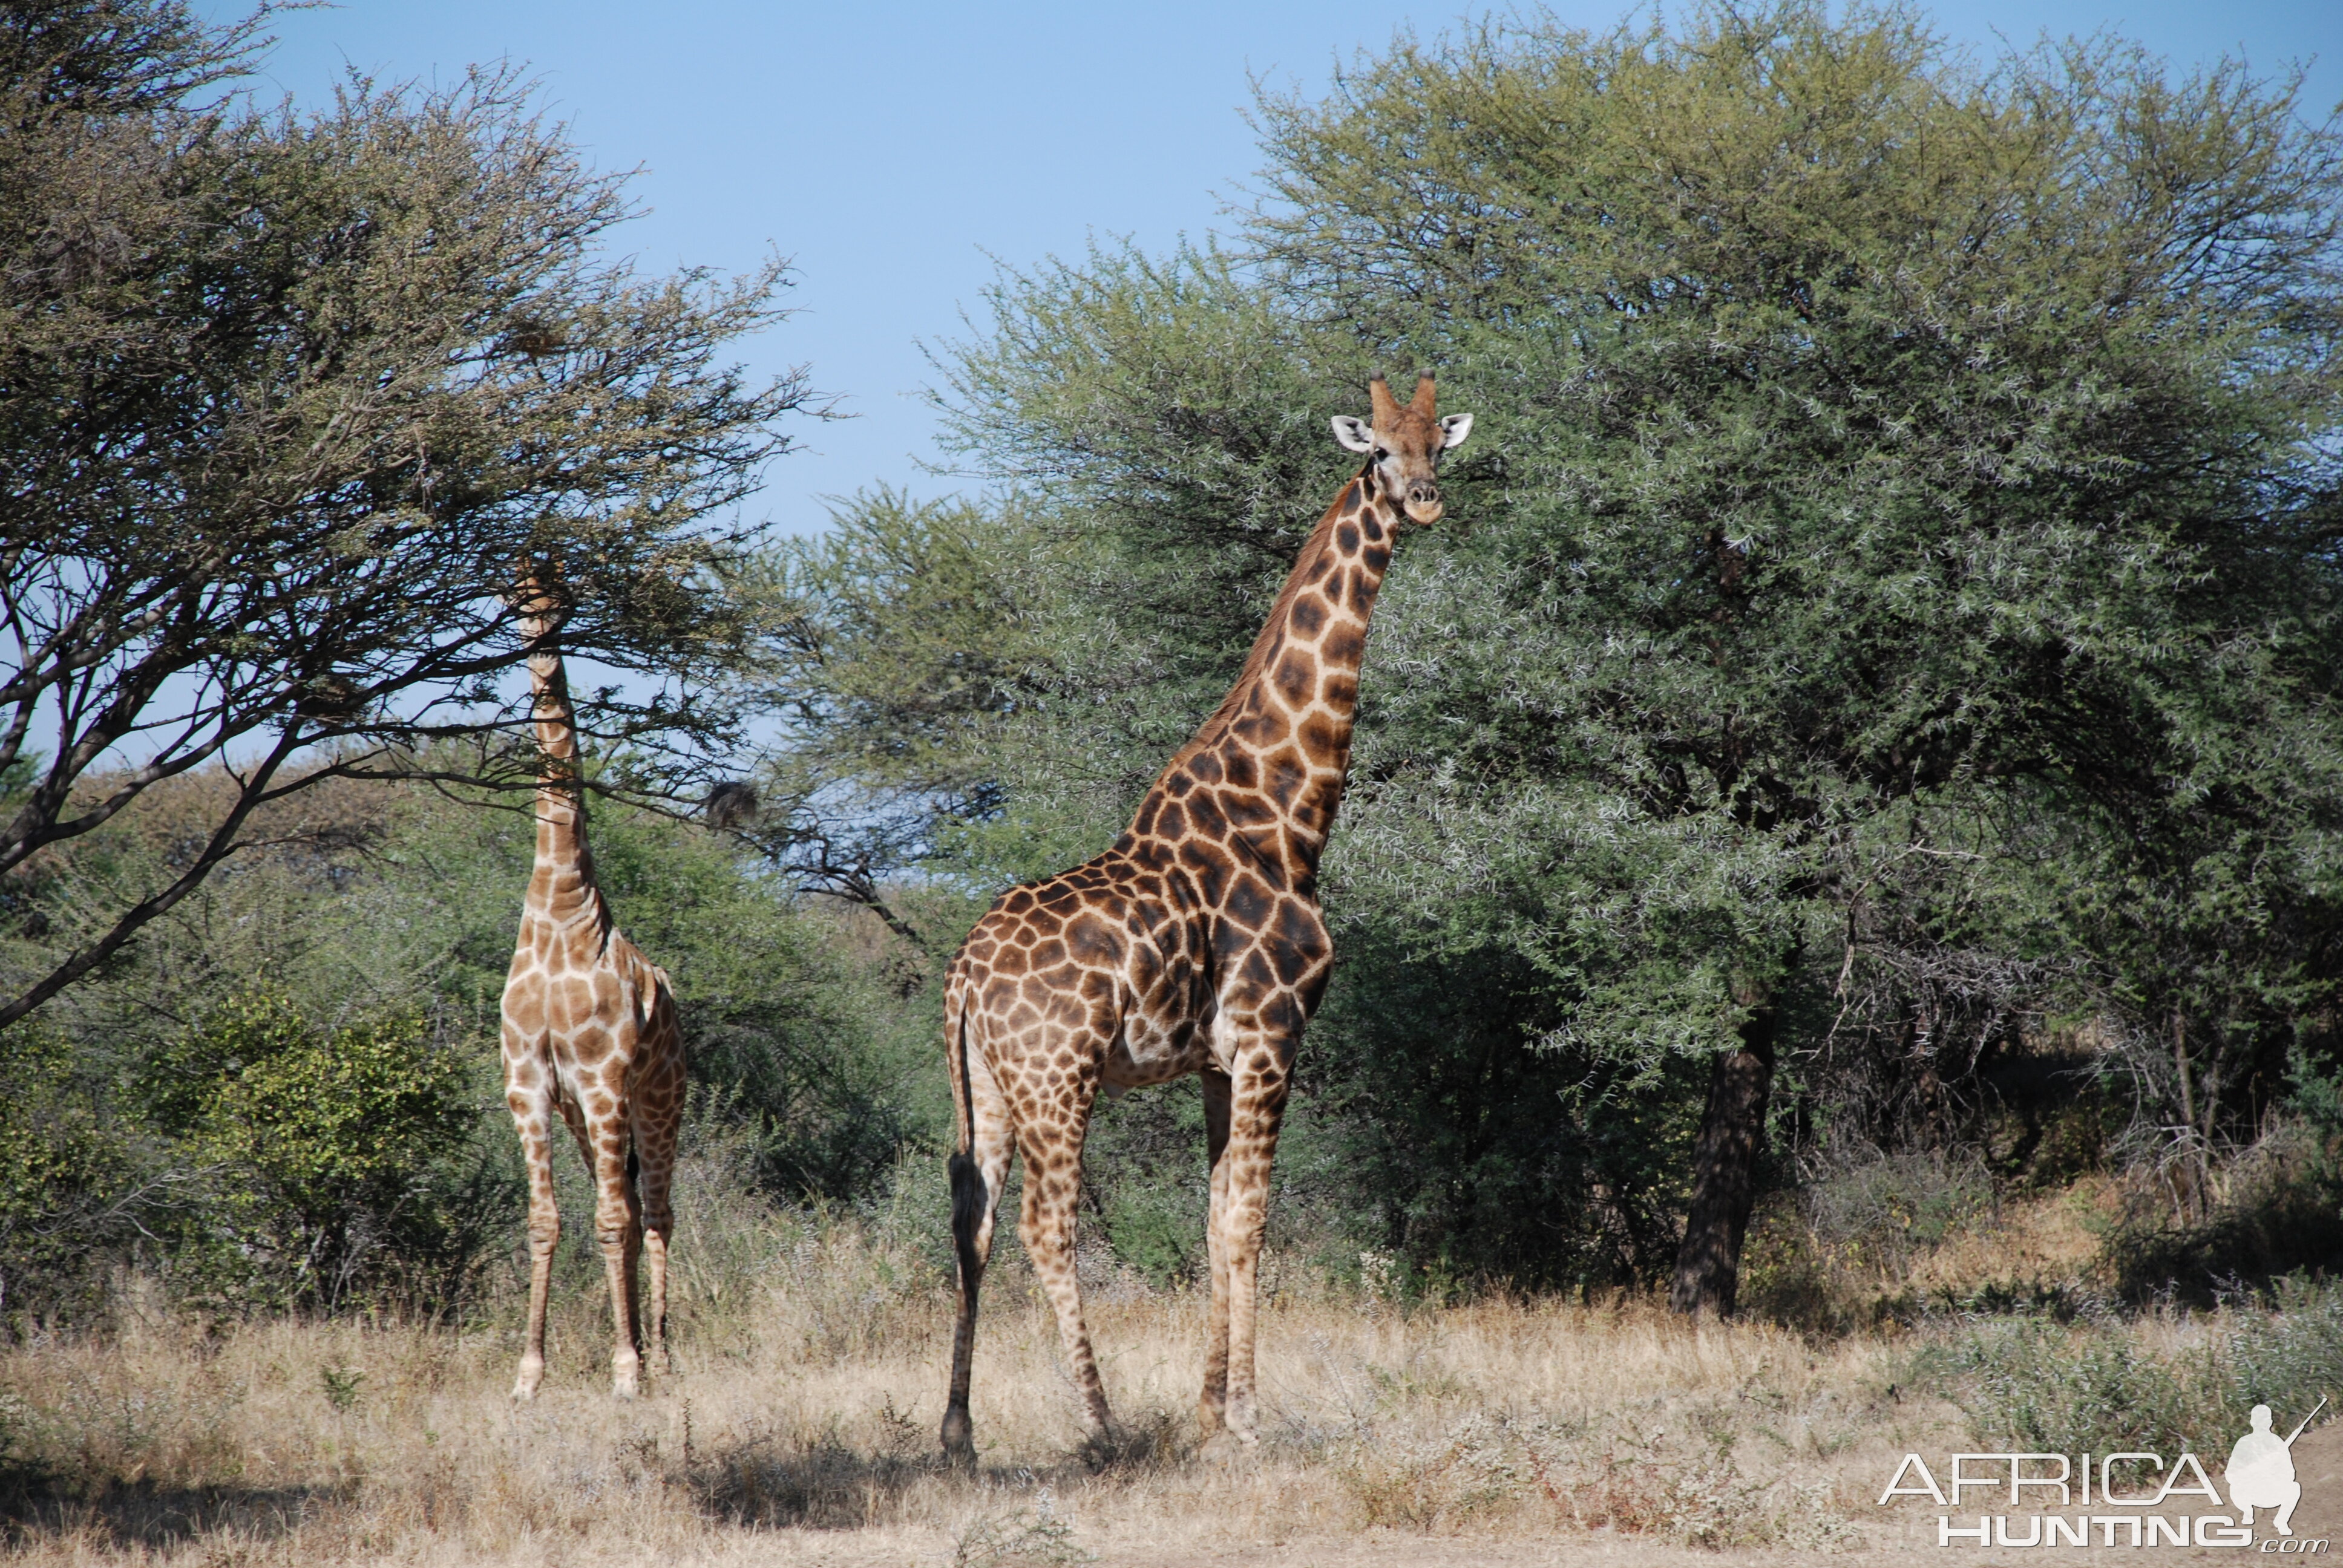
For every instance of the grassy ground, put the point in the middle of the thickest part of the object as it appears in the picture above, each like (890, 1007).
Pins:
(799, 1426)
(296, 1442)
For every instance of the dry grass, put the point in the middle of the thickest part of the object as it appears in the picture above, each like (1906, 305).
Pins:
(801, 1423)
(1873, 1269)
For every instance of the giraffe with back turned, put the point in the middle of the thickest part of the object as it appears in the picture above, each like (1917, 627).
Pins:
(1195, 944)
(589, 1037)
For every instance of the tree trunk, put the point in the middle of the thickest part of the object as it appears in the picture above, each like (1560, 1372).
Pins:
(1724, 1171)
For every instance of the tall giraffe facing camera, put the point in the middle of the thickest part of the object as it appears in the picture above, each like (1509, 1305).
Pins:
(1194, 945)
(590, 1037)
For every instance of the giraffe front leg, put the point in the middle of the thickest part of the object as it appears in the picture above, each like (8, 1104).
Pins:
(1054, 1172)
(658, 1114)
(1211, 1408)
(618, 1226)
(532, 1117)
(1257, 1109)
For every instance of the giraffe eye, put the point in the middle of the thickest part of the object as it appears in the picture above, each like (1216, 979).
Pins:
(1381, 454)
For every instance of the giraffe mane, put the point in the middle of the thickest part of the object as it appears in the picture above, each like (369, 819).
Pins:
(1273, 628)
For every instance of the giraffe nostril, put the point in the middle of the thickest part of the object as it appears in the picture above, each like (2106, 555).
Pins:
(1424, 494)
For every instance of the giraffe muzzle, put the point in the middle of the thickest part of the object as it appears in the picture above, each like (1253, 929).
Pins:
(1423, 502)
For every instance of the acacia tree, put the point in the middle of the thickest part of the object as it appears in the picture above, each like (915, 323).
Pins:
(286, 403)
(1910, 492)
(892, 654)
(1891, 443)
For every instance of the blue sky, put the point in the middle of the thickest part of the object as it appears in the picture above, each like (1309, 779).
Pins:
(895, 151)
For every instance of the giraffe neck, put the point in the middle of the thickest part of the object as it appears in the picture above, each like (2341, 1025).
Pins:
(562, 884)
(1271, 760)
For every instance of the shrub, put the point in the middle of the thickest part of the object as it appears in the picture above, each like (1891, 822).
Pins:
(334, 1156)
(2103, 1384)
(1839, 1252)
(71, 1182)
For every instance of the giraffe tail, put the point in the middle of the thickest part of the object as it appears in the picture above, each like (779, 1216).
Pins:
(968, 1193)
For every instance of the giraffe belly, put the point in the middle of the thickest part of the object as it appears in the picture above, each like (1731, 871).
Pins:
(1149, 1050)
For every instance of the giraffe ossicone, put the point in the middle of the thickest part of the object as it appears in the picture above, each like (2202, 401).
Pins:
(1195, 944)
(589, 1037)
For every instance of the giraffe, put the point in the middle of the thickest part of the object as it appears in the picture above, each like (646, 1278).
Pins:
(1194, 944)
(590, 1035)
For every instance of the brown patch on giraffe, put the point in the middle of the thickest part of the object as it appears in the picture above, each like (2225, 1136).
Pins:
(1296, 677)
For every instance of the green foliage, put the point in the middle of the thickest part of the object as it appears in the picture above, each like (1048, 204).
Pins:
(1891, 582)
(2096, 1387)
(896, 651)
(70, 1180)
(327, 1151)
(319, 1116)
(1143, 1168)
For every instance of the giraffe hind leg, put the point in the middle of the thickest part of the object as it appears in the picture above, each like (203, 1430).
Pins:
(1211, 1408)
(658, 1113)
(978, 1175)
(1053, 1176)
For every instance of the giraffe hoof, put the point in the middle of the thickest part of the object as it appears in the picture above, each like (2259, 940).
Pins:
(1224, 1447)
(525, 1385)
(958, 1439)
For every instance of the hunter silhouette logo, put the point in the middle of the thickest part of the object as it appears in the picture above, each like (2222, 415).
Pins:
(2260, 1472)
(2128, 1499)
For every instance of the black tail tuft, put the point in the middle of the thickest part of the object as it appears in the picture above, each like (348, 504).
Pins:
(968, 1200)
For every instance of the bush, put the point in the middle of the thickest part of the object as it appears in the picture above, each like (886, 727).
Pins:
(2103, 1384)
(2278, 1209)
(335, 1158)
(1839, 1253)
(71, 1182)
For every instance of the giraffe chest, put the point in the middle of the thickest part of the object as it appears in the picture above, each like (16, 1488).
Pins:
(585, 1001)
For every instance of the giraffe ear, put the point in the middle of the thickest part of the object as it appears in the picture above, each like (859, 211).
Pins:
(1354, 434)
(1454, 428)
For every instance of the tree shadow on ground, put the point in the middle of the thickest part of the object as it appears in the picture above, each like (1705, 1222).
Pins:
(824, 1483)
(124, 1515)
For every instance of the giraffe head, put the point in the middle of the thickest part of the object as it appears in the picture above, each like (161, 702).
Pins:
(1404, 444)
(539, 610)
